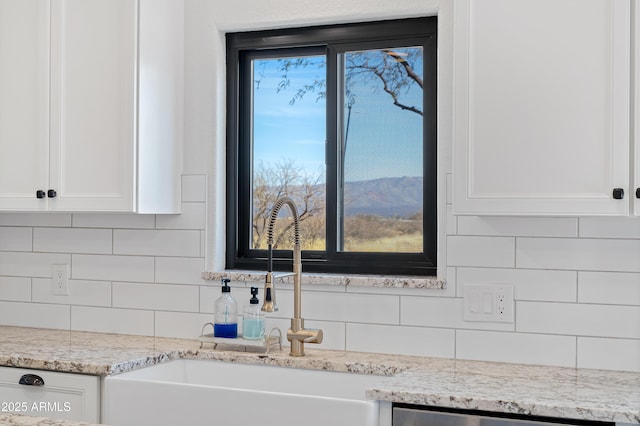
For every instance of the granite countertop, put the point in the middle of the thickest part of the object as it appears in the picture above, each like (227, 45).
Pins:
(21, 420)
(512, 388)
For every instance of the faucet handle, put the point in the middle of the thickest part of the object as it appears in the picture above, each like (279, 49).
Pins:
(315, 335)
(305, 335)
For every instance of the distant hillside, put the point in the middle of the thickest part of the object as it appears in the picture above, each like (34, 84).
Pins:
(386, 197)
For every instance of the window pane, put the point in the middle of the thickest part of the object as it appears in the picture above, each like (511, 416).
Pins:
(288, 140)
(382, 151)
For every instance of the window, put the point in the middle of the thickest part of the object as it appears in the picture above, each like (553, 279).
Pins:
(342, 119)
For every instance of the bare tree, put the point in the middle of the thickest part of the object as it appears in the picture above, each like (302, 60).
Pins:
(270, 182)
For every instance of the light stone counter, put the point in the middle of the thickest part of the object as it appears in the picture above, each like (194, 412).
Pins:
(7, 419)
(511, 388)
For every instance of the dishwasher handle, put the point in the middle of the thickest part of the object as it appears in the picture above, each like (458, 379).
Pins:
(31, 380)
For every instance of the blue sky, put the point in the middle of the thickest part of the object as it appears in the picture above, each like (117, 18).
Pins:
(382, 141)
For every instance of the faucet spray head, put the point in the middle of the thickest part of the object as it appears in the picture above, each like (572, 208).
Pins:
(269, 304)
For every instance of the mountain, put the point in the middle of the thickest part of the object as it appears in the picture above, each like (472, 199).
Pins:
(386, 197)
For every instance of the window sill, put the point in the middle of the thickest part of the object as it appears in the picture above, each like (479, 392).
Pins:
(335, 280)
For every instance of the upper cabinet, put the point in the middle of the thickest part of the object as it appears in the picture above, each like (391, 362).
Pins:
(93, 120)
(636, 114)
(541, 107)
(24, 102)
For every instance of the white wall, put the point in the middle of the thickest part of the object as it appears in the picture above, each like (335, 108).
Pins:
(577, 280)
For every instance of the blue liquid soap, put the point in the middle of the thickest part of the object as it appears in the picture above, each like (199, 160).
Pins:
(225, 322)
(229, 331)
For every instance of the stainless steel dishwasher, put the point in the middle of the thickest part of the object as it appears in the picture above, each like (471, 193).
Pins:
(408, 415)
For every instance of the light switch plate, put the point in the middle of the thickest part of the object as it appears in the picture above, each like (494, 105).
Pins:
(488, 302)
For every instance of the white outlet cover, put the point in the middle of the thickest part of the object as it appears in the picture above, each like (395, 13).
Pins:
(60, 280)
(488, 303)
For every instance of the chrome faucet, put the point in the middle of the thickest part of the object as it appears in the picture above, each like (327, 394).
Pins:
(297, 334)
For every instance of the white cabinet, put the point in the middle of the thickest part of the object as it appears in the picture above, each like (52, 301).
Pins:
(50, 394)
(541, 107)
(102, 80)
(24, 101)
(636, 175)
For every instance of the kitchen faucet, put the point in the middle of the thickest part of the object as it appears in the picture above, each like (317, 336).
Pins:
(297, 334)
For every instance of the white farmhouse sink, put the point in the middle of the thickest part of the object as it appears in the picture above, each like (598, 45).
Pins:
(199, 392)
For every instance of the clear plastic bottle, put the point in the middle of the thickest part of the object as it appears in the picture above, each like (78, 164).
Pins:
(225, 322)
(253, 318)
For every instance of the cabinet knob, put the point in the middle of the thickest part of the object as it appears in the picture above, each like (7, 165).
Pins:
(51, 193)
(618, 193)
(31, 380)
(637, 192)
(40, 193)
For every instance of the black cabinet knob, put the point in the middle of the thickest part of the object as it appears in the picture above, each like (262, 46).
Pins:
(40, 193)
(31, 380)
(618, 193)
(637, 192)
(51, 193)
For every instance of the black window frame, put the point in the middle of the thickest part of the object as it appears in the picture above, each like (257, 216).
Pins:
(332, 39)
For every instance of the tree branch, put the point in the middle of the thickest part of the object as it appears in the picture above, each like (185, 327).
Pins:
(391, 93)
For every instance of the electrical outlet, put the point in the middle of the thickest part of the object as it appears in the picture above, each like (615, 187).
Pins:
(488, 303)
(60, 281)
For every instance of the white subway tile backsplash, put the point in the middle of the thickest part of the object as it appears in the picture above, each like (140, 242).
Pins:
(481, 251)
(442, 312)
(164, 297)
(194, 188)
(179, 270)
(112, 268)
(609, 354)
(578, 254)
(193, 216)
(114, 220)
(34, 315)
(15, 239)
(16, 289)
(111, 320)
(609, 227)
(185, 243)
(366, 308)
(518, 226)
(72, 240)
(418, 341)
(516, 347)
(609, 288)
(35, 219)
(529, 284)
(81, 292)
(333, 334)
(26, 264)
(578, 319)
(181, 325)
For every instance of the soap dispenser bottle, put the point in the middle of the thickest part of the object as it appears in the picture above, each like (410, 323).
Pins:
(253, 318)
(226, 313)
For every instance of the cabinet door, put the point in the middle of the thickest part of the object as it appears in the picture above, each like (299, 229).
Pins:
(636, 174)
(541, 107)
(93, 69)
(58, 395)
(24, 103)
